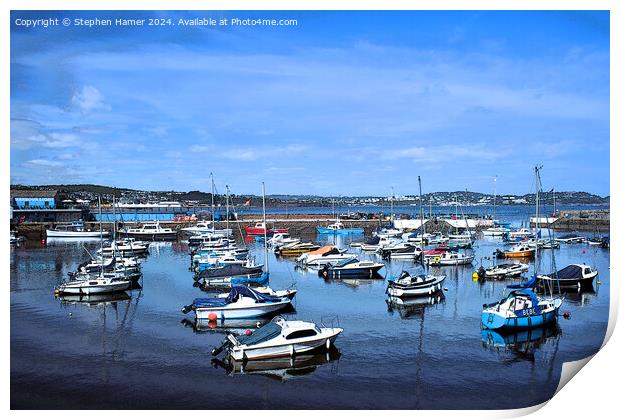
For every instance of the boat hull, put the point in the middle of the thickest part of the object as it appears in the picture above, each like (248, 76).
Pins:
(495, 321)
(256, 311)
(86, 234)
(349, 231)
(168, 236)
(284, 349)
(95, 289)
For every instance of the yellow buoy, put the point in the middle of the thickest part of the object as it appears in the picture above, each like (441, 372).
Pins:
(474, 276)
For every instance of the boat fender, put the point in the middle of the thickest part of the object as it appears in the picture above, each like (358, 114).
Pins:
(566, 315)
(248, 332)
(327, 343)
(212, 316)
(291, 351)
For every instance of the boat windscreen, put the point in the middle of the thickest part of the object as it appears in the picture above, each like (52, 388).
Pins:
(262, 334)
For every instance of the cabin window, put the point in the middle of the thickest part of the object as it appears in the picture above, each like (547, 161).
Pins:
(301, 334)
(587, 270)
(520, 304)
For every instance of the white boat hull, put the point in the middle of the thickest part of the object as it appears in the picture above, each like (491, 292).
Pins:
(254, 311)
(67, 234)
(268, 351)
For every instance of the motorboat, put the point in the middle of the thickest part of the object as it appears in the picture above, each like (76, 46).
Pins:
(408, 251)
(571, 239)
(259, 229)
(408, 285)
(520, 233)
(449, 258)
(351, 267)
(295, 249)
(324, 255)
(209, 239)
(502, 271)
(102, 284)
(204, 228)
(74, 229)
(522, 308)
(373, 244)
(151, 231)
(496, 231)
(338, 228)
(241, 302)
(573, 275)
(228, 271)
(389, 233)
(282, 239)
(517, 251)
(280, 338)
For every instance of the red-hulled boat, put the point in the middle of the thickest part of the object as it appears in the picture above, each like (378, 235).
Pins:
(259, 229)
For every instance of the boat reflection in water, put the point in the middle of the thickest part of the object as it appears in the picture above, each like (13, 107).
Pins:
(354, 282)
(413, 306)
(94, 300)
(522, 344)
(281, 369)
(228, 326)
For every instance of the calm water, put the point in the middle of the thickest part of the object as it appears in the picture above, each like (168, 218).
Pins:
(138, 352)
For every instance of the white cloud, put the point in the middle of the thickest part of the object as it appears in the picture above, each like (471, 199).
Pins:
(89, 99)
(198, 148)
(43, 162)
(254, 153)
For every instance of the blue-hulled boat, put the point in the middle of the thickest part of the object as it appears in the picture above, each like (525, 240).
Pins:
(351, 267)
(241, 302)
(520, 309)
(339, 229)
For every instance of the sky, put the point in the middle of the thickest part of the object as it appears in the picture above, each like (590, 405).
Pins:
(343, 103)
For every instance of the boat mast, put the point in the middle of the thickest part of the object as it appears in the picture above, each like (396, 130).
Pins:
(100, 233)
(421, 211)
(392, 205)
(212, 203)
(227, 194)
(265, 231)
(494, 195)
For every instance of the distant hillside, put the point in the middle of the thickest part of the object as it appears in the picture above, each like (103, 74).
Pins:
(91, 192)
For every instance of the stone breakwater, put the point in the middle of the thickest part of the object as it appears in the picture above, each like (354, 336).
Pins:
(583, 220)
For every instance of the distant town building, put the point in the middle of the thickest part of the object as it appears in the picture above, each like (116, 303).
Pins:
(34, 199)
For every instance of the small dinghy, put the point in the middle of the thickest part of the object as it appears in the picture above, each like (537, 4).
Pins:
(408, 285)
(241, 302)
(279, 338)
(502, 271)
(351, 267)
(574, 275)
(520, 309)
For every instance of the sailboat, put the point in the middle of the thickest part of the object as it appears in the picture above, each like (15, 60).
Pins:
(103, 283)
(496, 230)
(522, 308)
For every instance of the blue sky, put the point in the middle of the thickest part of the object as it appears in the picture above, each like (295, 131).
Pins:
(344, 103)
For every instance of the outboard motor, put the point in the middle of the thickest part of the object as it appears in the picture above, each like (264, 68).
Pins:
(481, 272)
(187, 308)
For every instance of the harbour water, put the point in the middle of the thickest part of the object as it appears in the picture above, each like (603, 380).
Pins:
(143, 352)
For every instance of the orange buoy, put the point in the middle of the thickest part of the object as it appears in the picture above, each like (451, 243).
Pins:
(212, 316)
